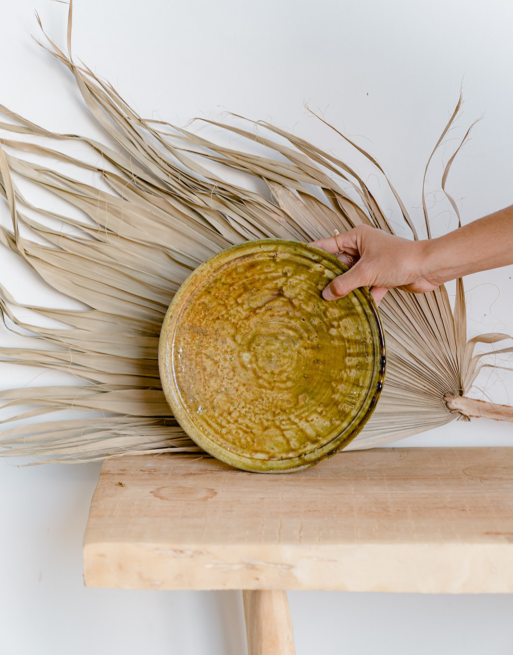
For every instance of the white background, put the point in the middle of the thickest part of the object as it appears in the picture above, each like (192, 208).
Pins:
(387, 72)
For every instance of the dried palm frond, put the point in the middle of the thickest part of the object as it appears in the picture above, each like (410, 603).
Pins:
(163, 213)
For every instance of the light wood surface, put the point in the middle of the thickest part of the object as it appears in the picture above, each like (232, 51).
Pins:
(408, 519)
(268, 623)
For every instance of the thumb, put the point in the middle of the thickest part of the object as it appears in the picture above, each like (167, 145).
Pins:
(344, 284)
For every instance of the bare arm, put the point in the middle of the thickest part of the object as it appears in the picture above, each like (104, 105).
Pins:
(382, 261)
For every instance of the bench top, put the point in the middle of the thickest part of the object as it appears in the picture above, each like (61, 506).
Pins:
(394, 519)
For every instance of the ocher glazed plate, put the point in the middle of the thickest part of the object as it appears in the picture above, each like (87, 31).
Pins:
(258, 369)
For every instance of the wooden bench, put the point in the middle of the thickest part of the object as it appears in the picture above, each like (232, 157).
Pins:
(428, 520)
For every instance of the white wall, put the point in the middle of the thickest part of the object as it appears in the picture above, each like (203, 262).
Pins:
(387, 69)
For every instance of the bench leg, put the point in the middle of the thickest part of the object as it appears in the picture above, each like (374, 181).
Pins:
(268, 623)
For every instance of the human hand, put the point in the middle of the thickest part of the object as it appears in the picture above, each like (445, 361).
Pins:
(377, 260)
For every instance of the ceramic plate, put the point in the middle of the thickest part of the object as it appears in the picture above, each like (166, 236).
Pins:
(259, 370)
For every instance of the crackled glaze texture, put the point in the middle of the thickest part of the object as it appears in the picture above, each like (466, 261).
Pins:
(266, 374)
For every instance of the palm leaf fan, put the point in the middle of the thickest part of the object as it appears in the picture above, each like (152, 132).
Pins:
(163, 212)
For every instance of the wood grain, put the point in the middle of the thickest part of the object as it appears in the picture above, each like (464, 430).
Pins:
(408, 519)
(268, 622)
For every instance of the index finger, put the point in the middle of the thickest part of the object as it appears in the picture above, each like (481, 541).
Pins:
(336, 244)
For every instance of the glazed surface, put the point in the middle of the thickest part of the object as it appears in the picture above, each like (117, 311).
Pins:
(264, 367)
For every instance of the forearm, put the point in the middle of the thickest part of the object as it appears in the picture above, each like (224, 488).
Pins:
(484, 244)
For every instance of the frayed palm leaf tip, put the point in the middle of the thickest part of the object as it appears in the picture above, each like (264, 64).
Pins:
(162, 214)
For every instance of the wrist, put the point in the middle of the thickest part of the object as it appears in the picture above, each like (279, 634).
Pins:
(435, 254)
(425, 258)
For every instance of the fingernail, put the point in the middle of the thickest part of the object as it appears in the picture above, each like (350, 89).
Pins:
(327, 294)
